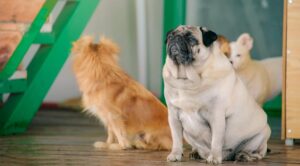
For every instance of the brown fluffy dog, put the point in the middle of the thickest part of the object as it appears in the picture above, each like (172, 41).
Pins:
(134, 118)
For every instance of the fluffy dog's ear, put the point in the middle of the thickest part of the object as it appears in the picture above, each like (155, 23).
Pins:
(82, 43)
(107, 47)
(245, 40)
(208, 37)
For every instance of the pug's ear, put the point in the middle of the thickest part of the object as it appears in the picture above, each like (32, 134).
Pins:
(245, 40)
(208, 37)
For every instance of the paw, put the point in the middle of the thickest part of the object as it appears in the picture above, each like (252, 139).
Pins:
(194, 155)
(214, 159)
(174, 156)
(100, 145)
(126, 146)
(115, 146)
(248, 157)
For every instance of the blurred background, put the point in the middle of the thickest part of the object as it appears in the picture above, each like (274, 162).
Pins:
(117, 19)
(137, 26)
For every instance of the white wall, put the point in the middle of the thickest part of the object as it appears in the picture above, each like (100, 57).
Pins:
(116, 19)
(154, 40)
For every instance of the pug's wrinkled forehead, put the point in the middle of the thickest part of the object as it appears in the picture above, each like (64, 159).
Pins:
(206, 36)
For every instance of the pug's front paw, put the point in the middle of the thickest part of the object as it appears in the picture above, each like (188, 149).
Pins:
(214, 159)
(175, 156)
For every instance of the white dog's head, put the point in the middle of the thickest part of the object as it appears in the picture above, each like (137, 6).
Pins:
(189, 45)
(240, 50)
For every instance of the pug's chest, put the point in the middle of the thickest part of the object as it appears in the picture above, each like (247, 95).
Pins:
(190, 100)
(194, 123)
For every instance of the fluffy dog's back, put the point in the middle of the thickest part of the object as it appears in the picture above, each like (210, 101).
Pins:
(136, 117)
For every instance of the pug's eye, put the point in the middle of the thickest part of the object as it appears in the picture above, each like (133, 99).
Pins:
(191, 39)
(238, 55)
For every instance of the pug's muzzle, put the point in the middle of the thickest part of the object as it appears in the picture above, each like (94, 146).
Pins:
(179, 48)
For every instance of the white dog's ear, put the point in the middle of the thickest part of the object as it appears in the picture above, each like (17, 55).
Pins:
(245, 40)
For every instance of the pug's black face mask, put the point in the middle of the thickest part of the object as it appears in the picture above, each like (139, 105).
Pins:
(180, 43)
(179, 47)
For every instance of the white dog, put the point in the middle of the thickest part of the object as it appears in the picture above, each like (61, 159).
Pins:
(262, 78)
(208, 104)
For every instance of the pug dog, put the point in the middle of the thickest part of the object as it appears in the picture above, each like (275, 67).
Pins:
(208, 105)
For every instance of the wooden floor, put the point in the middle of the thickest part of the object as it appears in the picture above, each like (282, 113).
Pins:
(61, 137)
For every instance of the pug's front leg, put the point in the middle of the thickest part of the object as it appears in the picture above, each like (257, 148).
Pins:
(218, 133)
(176, 131)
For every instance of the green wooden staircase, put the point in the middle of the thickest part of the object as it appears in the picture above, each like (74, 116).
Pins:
(26, 95)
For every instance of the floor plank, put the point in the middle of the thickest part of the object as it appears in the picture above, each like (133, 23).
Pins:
(65, 137)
